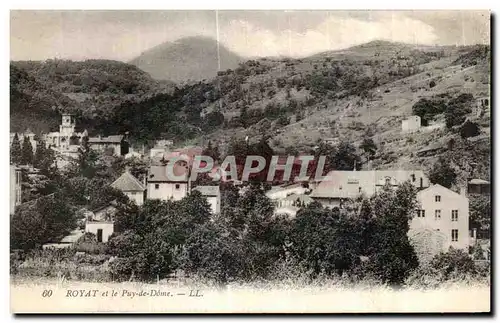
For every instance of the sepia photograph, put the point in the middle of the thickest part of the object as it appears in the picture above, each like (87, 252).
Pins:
(250, 161)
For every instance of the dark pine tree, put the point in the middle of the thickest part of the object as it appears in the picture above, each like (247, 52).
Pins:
(27, 152)
(15, 151)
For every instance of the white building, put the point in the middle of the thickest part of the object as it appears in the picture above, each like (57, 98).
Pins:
(291, 204)
(164, 186)
(131, 187)
(411, 124)
(101, 223)
(445, 212)
(15, 188)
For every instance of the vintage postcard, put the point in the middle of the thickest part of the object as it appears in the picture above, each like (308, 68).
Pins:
(218, 161)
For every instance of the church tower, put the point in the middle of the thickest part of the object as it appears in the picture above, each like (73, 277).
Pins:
(67, 127)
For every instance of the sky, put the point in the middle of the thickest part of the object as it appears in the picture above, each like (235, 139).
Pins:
(123, 35)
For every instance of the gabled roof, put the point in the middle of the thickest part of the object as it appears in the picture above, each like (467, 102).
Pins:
(110, 139)
(128, 183)
(158, 173)
(111, 204)
(439, 188)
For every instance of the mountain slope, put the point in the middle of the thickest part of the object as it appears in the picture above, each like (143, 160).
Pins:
(192, 58)
(91, 88)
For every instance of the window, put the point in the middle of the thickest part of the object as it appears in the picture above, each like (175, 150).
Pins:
(340, 188)
(422, 213)
(437, 198)
(454, 215)
(413, 177)
(454, 235)
(157, 186)
(177, 186)
(437, 214)
(359, 189)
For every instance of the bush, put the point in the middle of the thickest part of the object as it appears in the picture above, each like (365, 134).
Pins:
(452, 263)
(469, 129)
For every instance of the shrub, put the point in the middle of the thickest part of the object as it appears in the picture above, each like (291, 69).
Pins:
(469, 129)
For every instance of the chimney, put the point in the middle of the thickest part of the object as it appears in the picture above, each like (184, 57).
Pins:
(463, 190)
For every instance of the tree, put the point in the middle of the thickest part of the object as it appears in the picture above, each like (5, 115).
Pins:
(151, 238)
(213, 253)
(212, 151)
(442, 173)
(27, 152)
(369, 147)
(86, 162)
(469, 129)
(15, 151)
(457, 110)
(426, 109)
(44, 158)
(244, 116)
(324, 241)
(391, 256)
(453, 263)
(47, 219)
(341, 157)
(480, 212)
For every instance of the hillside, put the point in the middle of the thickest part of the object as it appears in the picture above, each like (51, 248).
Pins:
(92, 88)
(361, 92)
(187, 59)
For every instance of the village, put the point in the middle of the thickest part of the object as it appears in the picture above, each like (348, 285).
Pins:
(442, 217)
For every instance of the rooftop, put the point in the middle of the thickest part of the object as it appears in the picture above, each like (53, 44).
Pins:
(127, 182)
(350, 184)
(158, 173)
(72, 237)
(110, 139)
(478, 181)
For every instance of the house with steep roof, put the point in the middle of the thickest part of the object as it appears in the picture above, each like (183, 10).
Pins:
(130, 186)
(338, 186)
(212, 194)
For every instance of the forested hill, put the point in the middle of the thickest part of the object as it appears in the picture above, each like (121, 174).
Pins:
(353, 94)
(91, 89)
